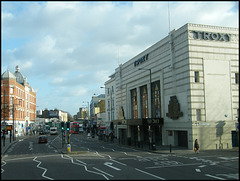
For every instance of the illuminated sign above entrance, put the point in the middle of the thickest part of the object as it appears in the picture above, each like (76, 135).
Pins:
(203, 35)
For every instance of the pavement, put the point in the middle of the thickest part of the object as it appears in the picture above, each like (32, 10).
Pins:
(159, 149)
(57, 143)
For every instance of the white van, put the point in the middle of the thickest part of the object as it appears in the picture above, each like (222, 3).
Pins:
(53, 130)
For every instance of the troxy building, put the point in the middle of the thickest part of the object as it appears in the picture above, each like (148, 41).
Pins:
(184, 87)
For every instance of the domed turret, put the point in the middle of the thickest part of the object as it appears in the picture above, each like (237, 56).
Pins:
(20, 78)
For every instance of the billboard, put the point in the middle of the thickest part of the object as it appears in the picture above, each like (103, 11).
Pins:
(53, 113)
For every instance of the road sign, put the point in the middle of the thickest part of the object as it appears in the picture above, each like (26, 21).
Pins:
(8, 127)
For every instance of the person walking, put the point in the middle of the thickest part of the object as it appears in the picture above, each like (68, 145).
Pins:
(196, 146)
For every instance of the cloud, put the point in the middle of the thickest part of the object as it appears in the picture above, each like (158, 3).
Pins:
(70, 48)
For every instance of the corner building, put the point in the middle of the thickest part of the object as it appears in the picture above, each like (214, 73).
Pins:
(184, 87)
(18, 102)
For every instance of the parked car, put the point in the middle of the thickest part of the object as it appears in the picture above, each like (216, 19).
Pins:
(42, 139)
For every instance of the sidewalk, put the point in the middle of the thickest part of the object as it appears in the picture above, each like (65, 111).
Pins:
(145, 147)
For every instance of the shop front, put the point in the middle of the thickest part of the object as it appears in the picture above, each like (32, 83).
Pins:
(139, 132)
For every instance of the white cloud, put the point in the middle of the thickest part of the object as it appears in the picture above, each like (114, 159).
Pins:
(70, 48)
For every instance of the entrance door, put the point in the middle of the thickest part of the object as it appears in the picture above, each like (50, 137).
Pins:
(235, 139)
(182, 139)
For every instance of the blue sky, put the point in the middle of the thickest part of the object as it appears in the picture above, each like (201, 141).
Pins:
(67, 50)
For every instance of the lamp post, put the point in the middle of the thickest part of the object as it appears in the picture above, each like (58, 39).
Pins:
(150, 116)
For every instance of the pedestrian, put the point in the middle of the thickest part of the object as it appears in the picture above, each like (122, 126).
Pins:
(196, 146)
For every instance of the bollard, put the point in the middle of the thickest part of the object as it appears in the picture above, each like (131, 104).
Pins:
(69, 147)
(170, 148)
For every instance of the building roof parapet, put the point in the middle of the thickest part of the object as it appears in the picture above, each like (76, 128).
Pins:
(212, 27)
(8, 75)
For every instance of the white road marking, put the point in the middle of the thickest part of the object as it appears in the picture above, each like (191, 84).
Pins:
(150, 174)
(109, 164)
(86, 169)
(219, 178)
(198, 170)
(45, 170)
(172, 165)
(103, 172)
(4, 163)
(118, 162)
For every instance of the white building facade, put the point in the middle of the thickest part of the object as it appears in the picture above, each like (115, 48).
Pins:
(184, 87)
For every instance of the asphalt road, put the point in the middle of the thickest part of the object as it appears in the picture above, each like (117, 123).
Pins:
(91, 159)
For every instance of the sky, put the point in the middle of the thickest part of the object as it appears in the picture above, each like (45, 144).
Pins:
(68, 50)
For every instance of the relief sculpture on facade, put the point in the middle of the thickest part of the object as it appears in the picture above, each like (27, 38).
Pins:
(174, 108)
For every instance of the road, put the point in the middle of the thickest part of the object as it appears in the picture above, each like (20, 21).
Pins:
(91, 159)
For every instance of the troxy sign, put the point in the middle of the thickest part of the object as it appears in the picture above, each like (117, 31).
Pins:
(211, 36)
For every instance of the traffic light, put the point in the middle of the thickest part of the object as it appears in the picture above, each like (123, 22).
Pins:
(68, 126)
(62, 126)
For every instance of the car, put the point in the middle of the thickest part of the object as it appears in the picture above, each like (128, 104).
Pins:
(53, 130)
(42, 139)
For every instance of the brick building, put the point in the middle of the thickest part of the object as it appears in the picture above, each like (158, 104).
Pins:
(18, 102)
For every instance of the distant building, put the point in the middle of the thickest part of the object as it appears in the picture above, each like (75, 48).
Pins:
(94, 101)
(82, 113)
(18, 101)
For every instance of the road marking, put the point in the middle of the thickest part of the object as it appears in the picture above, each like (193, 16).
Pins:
(118, 162)
(198, 170)
(15, 159)
(173, 165)
(219, 178)
(230, 176)
(45, 170)
(150, 174)
(229, 158)
(85, 167)
(103, 172)
(109, 164)
(4, 163)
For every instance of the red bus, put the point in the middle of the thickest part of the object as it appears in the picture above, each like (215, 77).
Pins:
(74, 127)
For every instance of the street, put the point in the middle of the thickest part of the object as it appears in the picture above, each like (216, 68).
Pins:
(92, 159)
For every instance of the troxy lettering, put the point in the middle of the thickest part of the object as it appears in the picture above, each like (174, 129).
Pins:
(212, 36)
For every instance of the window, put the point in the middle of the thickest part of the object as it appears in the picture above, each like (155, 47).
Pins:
(134, 104)
(108, 105)
(144, 101)
(198, 112)
(11, 113)
(11, 100)
(196, 76)
(236, 78)
(156, 104)
(11, 90)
